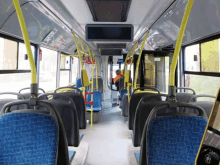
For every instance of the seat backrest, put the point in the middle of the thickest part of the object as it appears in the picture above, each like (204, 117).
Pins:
(184, 97)
(122, 92)
(176, 137)
(206, 105)
(135, 98)
(80, 105)
(41, 130)
(143, 110)
(78, 83)
(121, 84)
(125, 105)
(100, 84)
(97, 98)
(68, 114)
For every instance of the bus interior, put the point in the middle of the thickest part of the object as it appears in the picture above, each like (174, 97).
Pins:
(109, 82)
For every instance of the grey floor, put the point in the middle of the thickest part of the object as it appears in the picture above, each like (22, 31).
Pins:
(108, 141)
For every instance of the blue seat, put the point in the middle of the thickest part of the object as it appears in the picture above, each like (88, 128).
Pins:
(97, 98)
(174, 139)
(124, 91)
(28, 138)
(79, 83)
(71, 155)
(137, 156)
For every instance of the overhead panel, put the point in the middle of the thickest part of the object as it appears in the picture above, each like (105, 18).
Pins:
(111, 52)
(109, 10)
(111, 46)
(109, 32)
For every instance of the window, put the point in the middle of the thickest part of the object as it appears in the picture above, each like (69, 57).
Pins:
(210, 56)
(23, 62)
(75, 66)
(8, 54)
(192, 58)
(149, 70)
(203, 84)
(14, 82)
(48, 68)
(64, 71)
(203, 79)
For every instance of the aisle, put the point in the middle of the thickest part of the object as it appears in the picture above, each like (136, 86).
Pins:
(108, 144)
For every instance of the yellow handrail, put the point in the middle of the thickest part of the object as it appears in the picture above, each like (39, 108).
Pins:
(128, 76)
(97, 82)
(78, 50)
(125, 66)
(26, 41)
(90, 56)
(139, 58)
(179, 41)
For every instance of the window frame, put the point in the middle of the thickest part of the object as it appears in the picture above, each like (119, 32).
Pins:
(17, 41)
(212, 74)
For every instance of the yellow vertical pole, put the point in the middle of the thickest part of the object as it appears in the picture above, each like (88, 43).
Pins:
(80, 57)
(97, 82)
(125, 66)
(90, 56)
(179, 41)
(139, 59)
(132, 58)
(26, 41)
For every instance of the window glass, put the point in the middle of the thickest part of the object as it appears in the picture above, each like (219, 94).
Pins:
(64, 78)
(203, 85)
(65, 62)
(75, 66)
(210, 56)
(8, 54)
(192, 58)
(23, 62)
(14, 82)
(48, 68)
(149, 71)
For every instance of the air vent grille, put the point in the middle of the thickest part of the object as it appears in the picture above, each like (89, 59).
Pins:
(109, 10)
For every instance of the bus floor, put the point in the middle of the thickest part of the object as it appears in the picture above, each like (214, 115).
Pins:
(108, 141)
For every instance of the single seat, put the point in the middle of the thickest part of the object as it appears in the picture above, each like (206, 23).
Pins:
(206, 105)
(68, 113)
(173, 137)
(79, 102)
(97, 99)
(5, 101)
(79, 84)
(184, 96)
(143, 110)
(100, 84)
(35, 142)
(135, 98)
(28, 94)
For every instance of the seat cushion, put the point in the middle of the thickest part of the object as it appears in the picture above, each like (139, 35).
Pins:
(97, 98)
(174, 139)
(28, 138)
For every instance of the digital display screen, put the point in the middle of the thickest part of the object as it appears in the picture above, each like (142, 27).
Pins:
(109, 33)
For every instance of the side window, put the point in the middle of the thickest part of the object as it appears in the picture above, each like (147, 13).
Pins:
(203, 79)
(8, 54)
(75, 66)
(23, 62)
(48, 68)
(64, 71)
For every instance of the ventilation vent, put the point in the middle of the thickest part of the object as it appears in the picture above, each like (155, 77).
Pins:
(109, 10)
(111, 52)
(111, 46)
